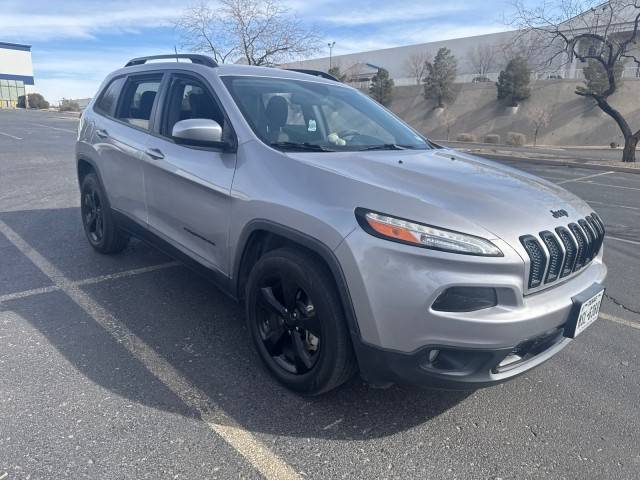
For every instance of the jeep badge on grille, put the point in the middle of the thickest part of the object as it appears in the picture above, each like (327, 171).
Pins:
(559, 213)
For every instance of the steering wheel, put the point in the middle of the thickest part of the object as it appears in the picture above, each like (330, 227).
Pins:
(349, 133)
(353, 137)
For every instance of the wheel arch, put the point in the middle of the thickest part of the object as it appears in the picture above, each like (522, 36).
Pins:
(261, 236)
(84, 166)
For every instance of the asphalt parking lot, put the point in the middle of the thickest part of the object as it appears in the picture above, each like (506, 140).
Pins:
(131, 366)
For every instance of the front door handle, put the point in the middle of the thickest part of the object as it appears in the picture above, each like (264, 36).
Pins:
(155, 153)
(102, 133)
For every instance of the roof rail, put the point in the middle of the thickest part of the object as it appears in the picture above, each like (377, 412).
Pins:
(315, 73)
(199, 59)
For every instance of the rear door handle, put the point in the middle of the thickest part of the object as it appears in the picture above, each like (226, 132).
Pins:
(102, 133)
(155, 153)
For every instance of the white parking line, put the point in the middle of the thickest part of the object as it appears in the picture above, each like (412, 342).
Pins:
(612, 205)
(28, 293)
(257, 454)
(10, 136)
(619, 320)
(608, 185)
(579, 179)
(624, 240)
(55, 128)
(88, 281)
(127, 273)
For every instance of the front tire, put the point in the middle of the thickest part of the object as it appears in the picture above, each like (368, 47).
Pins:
(97, 219)
(296, 322)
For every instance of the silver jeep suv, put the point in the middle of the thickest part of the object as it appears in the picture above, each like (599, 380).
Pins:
(355, 243)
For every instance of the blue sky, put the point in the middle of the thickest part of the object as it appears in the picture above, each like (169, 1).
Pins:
(77, 42)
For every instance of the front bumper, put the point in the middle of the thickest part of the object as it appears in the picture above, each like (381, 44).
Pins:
(456, 368)
(393, 286)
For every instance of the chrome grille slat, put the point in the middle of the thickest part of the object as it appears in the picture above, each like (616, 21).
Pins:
(538, 260)
(593, 221)
(571, 249)
(582, 246)
(554, 255)
(591, 238)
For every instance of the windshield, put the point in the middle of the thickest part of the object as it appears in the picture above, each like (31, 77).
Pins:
(305, 115)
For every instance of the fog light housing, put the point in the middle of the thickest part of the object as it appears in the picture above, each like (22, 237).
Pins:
(465, 299)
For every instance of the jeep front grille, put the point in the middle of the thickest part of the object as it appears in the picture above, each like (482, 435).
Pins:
(555, 255)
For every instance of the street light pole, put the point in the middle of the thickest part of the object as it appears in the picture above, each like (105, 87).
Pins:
(331, 45)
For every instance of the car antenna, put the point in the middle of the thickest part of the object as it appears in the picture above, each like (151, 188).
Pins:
(176, 51)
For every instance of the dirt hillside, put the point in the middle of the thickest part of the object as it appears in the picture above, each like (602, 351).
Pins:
(574, 120)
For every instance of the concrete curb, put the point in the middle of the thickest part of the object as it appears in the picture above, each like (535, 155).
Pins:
(561, 163)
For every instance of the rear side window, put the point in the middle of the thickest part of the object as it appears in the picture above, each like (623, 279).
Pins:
(109, 98)
(138, 98)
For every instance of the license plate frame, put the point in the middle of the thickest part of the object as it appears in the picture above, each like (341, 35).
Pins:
(585, 310)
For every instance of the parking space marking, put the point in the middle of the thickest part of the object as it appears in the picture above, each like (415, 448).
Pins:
(55, 128)
(87, 281)
(257, 454)
(619, 320)
(126, 273)
(10, 136)
(608, 185)
(28, 293)
(624, 240)
(580, 179)
(612, 205)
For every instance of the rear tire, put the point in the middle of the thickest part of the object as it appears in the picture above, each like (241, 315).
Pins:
(97, 219)
(307, 348)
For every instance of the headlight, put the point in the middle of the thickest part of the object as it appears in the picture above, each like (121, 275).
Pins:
(405, 231)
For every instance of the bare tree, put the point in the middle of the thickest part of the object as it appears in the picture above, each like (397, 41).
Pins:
(483, 58)
(540, 119)
(604, 33)
(259, 32)
(416, 65)
(203, 30)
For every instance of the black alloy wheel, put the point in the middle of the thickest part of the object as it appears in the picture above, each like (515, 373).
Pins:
(97, 218)
(295, 317)
(92, 215)
(289, 325)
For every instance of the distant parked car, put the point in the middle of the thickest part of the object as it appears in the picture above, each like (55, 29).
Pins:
(353, 241)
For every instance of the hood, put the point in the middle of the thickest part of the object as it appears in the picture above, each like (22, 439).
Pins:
(453, 190)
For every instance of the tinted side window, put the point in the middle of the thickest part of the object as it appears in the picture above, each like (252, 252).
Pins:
(139, 96)
(109, 98)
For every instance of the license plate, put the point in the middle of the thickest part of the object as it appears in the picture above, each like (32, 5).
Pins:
(586, 308)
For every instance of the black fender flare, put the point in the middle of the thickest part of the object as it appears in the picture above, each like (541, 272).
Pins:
(310, 243)
(83, 158)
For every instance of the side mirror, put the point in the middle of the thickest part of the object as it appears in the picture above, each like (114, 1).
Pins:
(198, 131)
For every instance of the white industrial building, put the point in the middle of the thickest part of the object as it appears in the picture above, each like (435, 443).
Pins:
(496, 48)
(359, 67)
(16, 73)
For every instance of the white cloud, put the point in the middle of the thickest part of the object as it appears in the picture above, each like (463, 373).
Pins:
(76, 71)
(390, 13)
(60, 24)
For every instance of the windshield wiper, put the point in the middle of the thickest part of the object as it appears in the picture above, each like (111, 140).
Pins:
(304, 147)
(385, 146)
